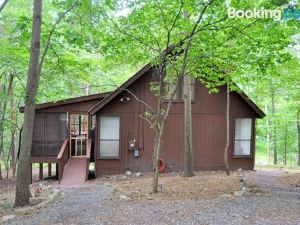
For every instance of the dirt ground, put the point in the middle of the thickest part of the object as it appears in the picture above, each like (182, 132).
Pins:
(172, 186)
(38, 189)
(272, 196)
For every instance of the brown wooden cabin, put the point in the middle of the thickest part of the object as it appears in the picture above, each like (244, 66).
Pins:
(106, 129)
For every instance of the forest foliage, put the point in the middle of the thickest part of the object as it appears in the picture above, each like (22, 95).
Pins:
(102, 43)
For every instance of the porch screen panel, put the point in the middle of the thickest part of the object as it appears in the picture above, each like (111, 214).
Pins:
(51, 134)
(109, 136)
(37, 149)
(62, 128)
(50, 131)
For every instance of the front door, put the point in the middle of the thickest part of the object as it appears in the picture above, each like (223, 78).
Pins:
(78, 134)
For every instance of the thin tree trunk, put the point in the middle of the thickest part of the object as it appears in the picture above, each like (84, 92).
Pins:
(13, 118)
(23, 169)
(157, 157)
(159, 128)
(12, 164)
(268, 136)
(226, 164)
(188, 140)
(274, 125)
(7, 164)
(285, 144)
(188, 145)
(3, 109)
(154, 150)
(3, 5)
(298, 129)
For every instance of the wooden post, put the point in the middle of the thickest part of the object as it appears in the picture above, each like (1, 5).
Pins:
(49, 169)
(41, 171)
(56, 171)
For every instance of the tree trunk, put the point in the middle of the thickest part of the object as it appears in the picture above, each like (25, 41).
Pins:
(13, 118)
(23, 169)
(274, 125)
(3, 5)
(7, 165)
(159, 128)
(268, 136)
(157, 156)
(2, 119)
(298, 129)
(3, 106)
(285, 143)
(226, 164)
(188, 145)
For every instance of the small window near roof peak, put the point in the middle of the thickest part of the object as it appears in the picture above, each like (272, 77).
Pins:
(170, 89)
(193, 85)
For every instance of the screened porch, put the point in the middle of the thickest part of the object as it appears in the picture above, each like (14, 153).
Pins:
(50, 132)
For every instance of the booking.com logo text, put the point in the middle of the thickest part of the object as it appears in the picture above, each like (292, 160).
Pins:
(254, 13)
(290, 11)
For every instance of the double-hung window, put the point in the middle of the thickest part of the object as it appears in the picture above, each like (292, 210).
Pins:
(109, 137)
(243, 137)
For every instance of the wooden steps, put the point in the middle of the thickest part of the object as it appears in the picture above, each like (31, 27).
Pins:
(74, 173)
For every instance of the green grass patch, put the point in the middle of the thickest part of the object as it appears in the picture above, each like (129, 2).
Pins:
(6, 207)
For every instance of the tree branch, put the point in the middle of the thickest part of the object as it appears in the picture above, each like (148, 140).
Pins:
(3, 5)
(51, 33)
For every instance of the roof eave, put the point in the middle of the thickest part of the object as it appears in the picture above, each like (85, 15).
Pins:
(47, 105)
(123, 87)
(256, 109)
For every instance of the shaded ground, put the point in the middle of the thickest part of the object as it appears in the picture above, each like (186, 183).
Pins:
(173, 186)
(276, 200)
(7, 191)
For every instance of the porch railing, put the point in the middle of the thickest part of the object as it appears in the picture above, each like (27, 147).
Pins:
(62, 158)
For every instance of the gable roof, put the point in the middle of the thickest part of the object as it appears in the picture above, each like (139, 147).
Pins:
(140, 73)
(125, 85)
(252, 105)
(68, 101)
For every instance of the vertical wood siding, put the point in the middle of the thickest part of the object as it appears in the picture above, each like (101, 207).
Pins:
(209, 127)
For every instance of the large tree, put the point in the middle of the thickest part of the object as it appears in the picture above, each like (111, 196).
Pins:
(23, 169)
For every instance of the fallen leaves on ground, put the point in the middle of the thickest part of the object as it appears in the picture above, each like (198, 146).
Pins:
(173, 186)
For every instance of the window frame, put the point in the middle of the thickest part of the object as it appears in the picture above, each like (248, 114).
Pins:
(252, 140)
(193, 92)
(167, 84)
(98, 130)
(70, 138)
(180, 92)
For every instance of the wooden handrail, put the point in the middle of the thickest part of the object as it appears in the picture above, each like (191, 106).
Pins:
(62, 149)
(62, 158)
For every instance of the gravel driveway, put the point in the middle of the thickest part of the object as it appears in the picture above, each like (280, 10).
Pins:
(96, 204)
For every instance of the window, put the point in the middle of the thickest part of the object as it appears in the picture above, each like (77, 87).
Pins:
(109, 137)
(170, 88)
(243, 137)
